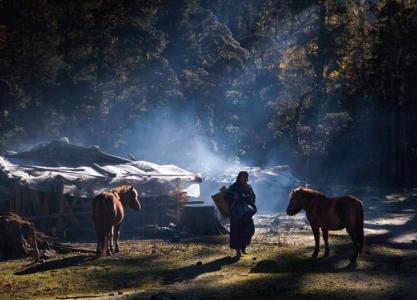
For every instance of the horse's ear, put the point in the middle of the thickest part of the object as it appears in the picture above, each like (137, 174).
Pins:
(295, 190)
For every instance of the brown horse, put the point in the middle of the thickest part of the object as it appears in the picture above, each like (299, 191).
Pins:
(330, 214)
(108, 213)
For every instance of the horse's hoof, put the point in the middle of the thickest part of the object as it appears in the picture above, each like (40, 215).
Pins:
(315, 254)
(326, 254)
(116, 250)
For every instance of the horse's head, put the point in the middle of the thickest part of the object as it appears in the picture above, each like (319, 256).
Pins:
(295, 205)
(132, 199)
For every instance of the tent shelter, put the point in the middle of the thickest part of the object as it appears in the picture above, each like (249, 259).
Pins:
(53, 184)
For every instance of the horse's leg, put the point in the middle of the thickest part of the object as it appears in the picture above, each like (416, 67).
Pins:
(101, 232)
(106, 230)
(103, 246)
(111, 239)
(353, 236)
(100, 239)
(98, 245)
(102, 242)
(316, 233)
(116, 237)
(98, 225)
(325, 233)
(108, 240)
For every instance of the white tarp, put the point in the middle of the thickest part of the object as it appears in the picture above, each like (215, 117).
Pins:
(85, 171)
(280, 175)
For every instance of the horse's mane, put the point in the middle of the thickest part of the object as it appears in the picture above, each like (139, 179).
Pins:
(309, 191)
(121, 189)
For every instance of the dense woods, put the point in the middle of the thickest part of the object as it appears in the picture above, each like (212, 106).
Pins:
(326, 86)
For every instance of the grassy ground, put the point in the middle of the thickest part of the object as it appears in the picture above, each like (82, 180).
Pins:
(276, 267)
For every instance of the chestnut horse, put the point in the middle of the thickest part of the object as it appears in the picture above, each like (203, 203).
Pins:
(108, 213)
(329, 214)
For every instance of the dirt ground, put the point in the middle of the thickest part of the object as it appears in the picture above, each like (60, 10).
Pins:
(278, 264)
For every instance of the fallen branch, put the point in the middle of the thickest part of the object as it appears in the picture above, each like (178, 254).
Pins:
(68, 248)
(59, 215)
(78, 297)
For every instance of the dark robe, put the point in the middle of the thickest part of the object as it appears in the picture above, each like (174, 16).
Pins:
(242, 229)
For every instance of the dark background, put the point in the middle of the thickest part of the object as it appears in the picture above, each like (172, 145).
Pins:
(328, 87)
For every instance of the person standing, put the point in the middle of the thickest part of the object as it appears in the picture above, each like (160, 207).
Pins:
(241, 200)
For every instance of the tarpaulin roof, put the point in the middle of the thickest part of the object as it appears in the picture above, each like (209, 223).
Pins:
(277, 175)
(85, 171)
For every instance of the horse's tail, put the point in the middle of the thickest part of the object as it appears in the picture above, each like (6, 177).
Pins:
(103, 212)
(98, 221)
(359, 228)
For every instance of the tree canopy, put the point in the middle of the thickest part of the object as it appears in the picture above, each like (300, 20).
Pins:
(326, 86)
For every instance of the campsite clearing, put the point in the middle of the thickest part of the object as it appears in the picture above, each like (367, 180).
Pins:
(278, 265)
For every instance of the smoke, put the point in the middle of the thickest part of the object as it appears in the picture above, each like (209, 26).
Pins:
(169, 136)
(225, 87)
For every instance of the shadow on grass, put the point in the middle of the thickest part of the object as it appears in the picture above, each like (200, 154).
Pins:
(271, 290)
(192, 271)
(56, 264)
(286, 274)
(133, 272)
(207, 240)
(304, 265)
(257, 288)
(288, 271)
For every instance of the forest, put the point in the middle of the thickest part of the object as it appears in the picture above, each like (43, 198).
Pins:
(119, 111)
(327, 87)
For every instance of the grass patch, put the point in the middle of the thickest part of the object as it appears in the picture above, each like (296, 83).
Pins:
(203, 268)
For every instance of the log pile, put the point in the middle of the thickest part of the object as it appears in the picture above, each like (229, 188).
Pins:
(18, 237)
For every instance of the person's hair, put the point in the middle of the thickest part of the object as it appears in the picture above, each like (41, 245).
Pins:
(241, 174)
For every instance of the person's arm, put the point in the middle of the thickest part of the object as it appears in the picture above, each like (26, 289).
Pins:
(231, 195)
(253, 198)
(253, 195)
